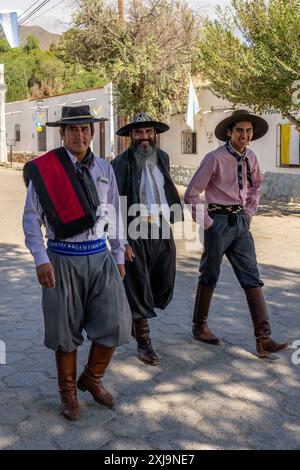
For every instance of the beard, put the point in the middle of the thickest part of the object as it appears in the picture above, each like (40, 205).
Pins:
(142, 156)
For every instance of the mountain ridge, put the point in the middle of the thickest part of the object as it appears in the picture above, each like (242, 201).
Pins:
(45, 37)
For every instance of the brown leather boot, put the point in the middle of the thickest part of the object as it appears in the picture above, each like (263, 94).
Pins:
(265, 346)
(262, 330)
(66, 373)
(201, 332)
(90, 379)
(141, 332)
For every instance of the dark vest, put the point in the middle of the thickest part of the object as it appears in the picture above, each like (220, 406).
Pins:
(128, 178)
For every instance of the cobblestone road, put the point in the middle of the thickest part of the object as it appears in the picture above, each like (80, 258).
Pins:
(200, 397)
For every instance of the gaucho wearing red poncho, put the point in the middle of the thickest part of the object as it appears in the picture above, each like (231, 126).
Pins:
(68, 197)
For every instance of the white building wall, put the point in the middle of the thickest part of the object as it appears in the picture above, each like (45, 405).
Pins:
(266, 148)
(22, 113)
(213, 110)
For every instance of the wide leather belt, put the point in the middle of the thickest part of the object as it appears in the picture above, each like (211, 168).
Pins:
(231, 211)
(219, 209)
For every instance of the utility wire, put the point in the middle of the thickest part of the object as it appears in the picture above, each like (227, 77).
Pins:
(49, 9)
(27, 17)
(29, 8)
(23, 20)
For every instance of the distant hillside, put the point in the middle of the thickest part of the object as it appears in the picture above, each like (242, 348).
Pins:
(42, 34)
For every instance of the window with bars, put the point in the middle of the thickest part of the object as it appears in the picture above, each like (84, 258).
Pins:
(188, 142)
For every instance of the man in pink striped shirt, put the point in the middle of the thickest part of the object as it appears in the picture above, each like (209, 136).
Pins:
(231, 181)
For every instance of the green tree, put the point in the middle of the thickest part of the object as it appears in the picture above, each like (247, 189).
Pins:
(14, 73)
(32, 44)
(33, 73)
(251, 55)
(4, 47)
(148, 57)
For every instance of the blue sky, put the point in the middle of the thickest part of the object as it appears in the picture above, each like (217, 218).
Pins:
(55, 16)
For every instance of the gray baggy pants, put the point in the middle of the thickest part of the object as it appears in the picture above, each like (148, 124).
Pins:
(89, 295)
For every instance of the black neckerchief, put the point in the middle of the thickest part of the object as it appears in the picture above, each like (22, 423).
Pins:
(240, 159)
(86, 180)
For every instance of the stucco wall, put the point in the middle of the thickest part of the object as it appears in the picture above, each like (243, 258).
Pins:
(281, 187)
(276, 186)
(22, 113)
(266, 149)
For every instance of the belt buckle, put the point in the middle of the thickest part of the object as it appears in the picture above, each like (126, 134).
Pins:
(148, 218)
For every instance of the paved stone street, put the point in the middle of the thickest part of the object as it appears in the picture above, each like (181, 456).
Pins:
(200, 397)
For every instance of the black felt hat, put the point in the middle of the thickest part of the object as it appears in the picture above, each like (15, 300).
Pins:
(74, 115)
(142, 120)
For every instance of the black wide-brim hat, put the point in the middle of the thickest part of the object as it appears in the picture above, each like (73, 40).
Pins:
(142, 120)
(260, 126)
(75, 115)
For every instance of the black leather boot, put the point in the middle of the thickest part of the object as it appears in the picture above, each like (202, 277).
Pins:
(141, 332)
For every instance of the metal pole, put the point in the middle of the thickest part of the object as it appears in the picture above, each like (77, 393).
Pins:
(121, 142)
(121, 10)
(102, 139)
(111, 121)
(3, 149)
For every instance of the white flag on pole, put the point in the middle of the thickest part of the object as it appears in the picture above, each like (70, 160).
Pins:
(9, 24)
(193, 106)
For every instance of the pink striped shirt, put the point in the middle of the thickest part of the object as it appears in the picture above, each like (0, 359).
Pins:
(217, 178)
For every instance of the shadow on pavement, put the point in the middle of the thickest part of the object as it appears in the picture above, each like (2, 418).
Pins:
(200, 397)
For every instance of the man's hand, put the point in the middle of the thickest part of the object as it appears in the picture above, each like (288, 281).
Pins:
(129, 254)
(210, 224)
(121, 268)
(46, 276)
(248, 219)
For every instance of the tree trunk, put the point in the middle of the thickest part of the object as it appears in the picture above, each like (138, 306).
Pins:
(292, 119)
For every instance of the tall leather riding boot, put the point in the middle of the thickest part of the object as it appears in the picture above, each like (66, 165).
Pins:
(90, 379)
(66, 373)
(201, 332)
(141, 332)
(262, 330)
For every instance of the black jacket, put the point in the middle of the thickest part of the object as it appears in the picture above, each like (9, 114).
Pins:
(128, 178)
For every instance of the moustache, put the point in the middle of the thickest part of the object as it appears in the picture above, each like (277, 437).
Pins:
(137, 144)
